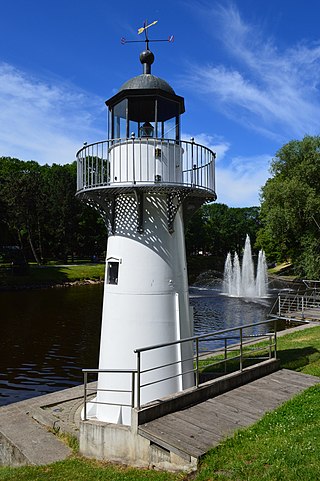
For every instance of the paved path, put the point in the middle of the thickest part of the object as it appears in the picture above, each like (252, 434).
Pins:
(25, 436)
(193, 431)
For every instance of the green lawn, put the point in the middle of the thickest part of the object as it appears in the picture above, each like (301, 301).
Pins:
(51, 275)
(283, 446)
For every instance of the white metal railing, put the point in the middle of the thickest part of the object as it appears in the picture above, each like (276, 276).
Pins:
(234, 346)
(145, 161)
(295, 305)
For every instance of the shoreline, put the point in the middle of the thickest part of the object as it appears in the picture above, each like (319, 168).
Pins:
(25, 287)
(84, 282)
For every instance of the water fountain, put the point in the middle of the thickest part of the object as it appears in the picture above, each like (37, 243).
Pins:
(240, 280)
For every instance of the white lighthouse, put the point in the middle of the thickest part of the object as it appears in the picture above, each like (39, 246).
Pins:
(145, 182)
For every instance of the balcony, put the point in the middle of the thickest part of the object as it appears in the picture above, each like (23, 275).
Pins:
(146, 164)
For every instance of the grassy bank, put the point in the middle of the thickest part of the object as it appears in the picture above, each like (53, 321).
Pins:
(283, 446)
(50, 275)
(41, 276)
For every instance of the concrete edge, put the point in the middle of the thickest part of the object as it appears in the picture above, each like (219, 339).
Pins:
(207, 390)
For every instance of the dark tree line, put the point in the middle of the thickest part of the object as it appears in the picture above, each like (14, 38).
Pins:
(217, 229)
(40, 214)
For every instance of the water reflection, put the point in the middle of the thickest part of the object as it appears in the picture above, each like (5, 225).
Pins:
(49, 335)
(214, 311)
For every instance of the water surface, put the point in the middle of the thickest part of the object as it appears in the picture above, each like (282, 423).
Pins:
(49, 335)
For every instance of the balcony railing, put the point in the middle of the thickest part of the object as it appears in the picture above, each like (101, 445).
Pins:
(143, 162)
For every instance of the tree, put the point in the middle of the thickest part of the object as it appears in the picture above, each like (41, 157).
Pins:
(219, 229)
(290, 209)
(40, 213)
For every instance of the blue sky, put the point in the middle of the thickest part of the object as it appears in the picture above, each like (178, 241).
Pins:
(249, 71)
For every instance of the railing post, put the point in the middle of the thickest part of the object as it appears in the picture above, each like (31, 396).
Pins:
(275, 338)
(270, 342)
(197, 362)
(132, 388)
(192, 165)
(225, 355)
(241, 350)
(133, 159)
(279, 308)
(85, 379)
(138, 379)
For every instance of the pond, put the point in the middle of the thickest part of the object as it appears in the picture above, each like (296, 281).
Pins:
(49, 335)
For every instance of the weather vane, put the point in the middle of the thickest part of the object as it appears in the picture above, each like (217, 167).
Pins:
(144, 29)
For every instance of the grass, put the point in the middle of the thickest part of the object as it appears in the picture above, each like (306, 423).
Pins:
(51, 275)
(79, 469)
(283, 446)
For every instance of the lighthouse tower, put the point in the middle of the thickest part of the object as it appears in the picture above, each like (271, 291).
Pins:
(145, 182)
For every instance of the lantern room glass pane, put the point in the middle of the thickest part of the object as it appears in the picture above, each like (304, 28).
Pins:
(119, 120)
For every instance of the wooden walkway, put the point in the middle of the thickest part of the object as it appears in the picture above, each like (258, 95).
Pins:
(312, 314)
(194, 430)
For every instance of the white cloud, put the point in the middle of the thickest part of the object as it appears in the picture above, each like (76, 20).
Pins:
(216, 144)
(238, 179)
(42, 121)
(268, 90)
(238, 183)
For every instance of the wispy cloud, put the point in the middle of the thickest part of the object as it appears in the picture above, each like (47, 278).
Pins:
(269, 90)
(238, 178)
(239, 182)
(216, 144)
(44, 121)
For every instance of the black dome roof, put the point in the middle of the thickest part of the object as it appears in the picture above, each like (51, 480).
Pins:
(147, 81)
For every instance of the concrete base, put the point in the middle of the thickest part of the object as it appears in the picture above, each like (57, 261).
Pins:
(124, 444)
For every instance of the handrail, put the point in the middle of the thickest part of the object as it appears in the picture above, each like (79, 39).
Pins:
(225, 348)
(145, 162)
(133, 372)
(297, 303)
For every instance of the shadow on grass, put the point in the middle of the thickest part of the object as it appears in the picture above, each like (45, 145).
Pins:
(46, 276)
(34, 277)
(298, 357)
(295, 359)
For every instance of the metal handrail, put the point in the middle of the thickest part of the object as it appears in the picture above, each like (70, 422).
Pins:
(133, 373)
(145, 161)
(240, 354)
(297, 303)
(214, 336)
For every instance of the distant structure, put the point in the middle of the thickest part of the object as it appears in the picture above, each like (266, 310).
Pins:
(145, 182)
(241, 280)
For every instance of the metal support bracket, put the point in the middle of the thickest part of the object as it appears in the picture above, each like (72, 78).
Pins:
(139, 199)
(174, 200)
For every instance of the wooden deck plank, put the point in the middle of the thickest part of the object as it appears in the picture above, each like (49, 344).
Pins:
(193, 441)
(213, 423)
(212, 409)
(194, 430)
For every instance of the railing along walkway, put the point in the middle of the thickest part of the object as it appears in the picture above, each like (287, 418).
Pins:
(301, 306)
(219, 352)
(191, 432)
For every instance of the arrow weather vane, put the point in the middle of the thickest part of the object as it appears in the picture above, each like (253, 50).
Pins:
(147, 40)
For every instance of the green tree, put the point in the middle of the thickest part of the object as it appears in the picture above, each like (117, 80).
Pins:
(290, 209)
(219, 229)
(40, 213)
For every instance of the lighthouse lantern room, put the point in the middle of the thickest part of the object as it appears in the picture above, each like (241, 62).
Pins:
(145, 182)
